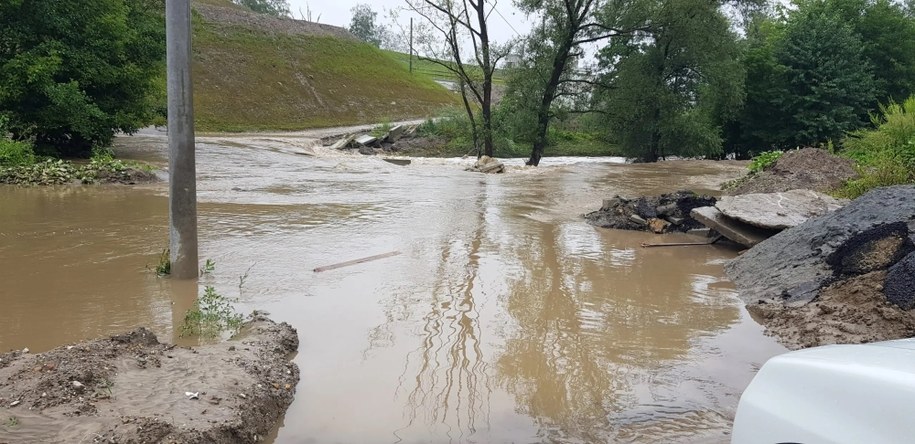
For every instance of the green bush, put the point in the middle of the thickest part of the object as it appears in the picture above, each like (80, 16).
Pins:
(73, 73)
(885, 155)
(14, 154)
(764, 160)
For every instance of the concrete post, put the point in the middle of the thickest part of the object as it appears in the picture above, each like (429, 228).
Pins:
(182, 184)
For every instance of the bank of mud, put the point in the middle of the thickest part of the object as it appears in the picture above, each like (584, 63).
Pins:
(130, 388)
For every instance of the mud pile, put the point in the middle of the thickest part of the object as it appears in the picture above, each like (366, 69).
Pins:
(808, 168)
(838, 278)
(660, 214)
(132, 388)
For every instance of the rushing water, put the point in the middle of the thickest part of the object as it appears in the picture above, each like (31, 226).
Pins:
(505, 319)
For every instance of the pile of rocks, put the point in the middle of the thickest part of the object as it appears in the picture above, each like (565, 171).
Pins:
(659, 214)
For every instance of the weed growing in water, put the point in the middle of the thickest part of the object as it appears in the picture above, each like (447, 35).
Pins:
(211, 315)
(11, 422)
(244, 278)
(164, 267)
(208, 267)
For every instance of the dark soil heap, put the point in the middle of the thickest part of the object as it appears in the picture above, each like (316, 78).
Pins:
(808, 169)
(132, 389)
(660, 214)
(838, 278)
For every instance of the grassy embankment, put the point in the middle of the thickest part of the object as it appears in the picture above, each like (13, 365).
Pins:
(248, 78)
(435, 70)
(252, 77)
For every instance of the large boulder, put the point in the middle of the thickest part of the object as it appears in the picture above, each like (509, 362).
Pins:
(486, 164)
(900, 283)
(795, 264)
(777, 211)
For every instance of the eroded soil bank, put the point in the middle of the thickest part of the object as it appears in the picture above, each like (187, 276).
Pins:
(132, 388)
(844, 277)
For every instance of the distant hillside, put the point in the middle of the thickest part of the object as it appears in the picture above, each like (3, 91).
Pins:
(256, 72)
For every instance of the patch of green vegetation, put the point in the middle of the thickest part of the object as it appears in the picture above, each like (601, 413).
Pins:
(252, 79)
(381, 130)
(164, 266)
(11, 423)
(884, 155)
(434, 70)
(15, 154)
(63, 172)
(208, 267)
(452, 129)
(211, 315)
(763, 161)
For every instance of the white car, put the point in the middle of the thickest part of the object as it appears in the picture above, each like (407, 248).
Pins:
(851, 394)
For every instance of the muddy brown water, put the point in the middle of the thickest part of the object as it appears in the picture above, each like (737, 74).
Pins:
(505, 319)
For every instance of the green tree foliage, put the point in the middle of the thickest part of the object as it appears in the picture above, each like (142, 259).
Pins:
(72, 73)
(363, 26)
(278, 8)
(829, 82)
(808, 81)
(670, 89)
(553, 49)
(887, 32)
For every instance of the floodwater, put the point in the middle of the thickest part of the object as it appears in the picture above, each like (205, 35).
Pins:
(506, 319)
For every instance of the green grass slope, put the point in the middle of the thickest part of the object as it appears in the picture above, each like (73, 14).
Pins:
(435, 70)
(254, 72)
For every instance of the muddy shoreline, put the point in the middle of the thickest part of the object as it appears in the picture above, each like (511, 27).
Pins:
(132, 388)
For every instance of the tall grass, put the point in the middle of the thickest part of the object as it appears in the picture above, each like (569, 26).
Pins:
(884, 155)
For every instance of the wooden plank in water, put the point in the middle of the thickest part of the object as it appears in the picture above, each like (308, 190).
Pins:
(356, 261)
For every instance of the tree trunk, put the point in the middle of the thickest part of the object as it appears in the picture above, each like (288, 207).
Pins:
(487, 121)
(549, 94)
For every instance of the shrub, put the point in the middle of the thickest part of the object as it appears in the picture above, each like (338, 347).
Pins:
(764, 160)
(884, 155)
(13, 153)
(211, 315)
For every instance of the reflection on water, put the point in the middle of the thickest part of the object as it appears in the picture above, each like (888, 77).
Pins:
(506, 318)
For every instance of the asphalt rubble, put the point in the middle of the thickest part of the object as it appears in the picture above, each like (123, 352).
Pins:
(816, 270)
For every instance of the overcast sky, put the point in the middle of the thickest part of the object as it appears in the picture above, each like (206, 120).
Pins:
(337, 12)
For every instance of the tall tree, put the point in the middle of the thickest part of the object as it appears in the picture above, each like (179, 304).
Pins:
(830, 85)
(808, 80)
(460, 24)
(279, 8)
(362, 25)
(566, 25)
(887, 34)
(72, 73)
(669, 89)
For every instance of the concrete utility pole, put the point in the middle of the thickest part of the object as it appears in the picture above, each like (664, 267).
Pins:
(182, 184)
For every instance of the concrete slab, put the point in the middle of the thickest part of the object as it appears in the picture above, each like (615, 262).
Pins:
(778, 211)
(366, 140)
(744, 234)
(394, 134)
(343, 143)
